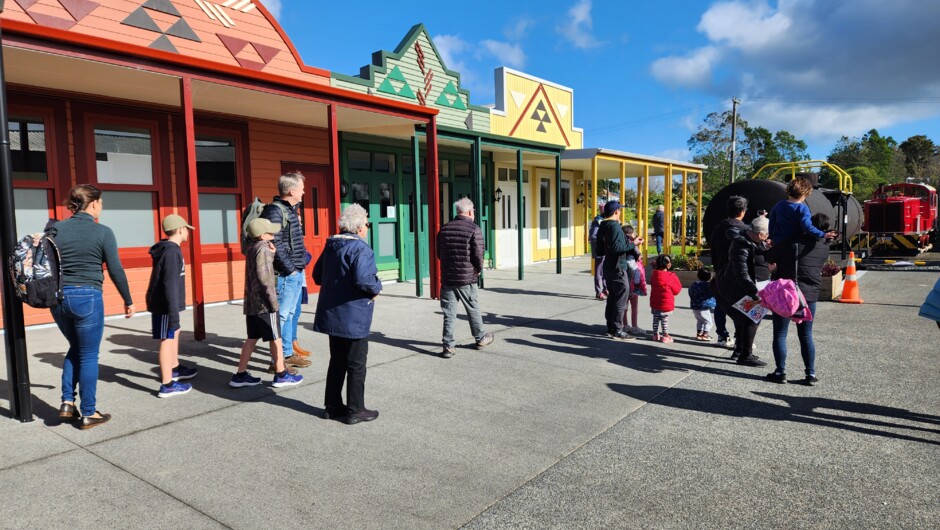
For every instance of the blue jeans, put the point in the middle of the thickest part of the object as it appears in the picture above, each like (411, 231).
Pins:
(721, 323)
(295, 321)
(288, 299)
(80, 318)
(659, 244)
(805, 333)
(450, 297)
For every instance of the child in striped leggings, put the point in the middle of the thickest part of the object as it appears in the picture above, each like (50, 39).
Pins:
(665, 287)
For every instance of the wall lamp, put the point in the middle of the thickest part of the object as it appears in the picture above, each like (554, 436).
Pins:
(498, 196)
(581, 198)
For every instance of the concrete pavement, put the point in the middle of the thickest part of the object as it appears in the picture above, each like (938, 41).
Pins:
(552, 426)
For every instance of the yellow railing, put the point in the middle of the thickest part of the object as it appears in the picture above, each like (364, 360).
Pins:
(800, 166)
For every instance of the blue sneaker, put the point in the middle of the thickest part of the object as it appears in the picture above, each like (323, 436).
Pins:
(289, 379)
(182, 373)
(244, 379)
(174, 389)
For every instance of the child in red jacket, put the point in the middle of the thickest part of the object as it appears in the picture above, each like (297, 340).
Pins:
(665, 286)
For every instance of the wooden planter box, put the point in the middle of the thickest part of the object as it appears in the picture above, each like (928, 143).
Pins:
(686, 278)
(831, 288)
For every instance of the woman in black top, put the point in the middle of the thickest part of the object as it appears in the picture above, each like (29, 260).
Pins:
(83, 246)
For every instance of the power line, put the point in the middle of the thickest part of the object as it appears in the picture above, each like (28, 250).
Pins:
(655, 118)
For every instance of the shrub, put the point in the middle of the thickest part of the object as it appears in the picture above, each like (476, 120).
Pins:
(830, 268)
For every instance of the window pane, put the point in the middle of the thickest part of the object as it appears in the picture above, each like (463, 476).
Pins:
(28, 149)
(123, 155)
(462, 169)
(443, 168)
(502, 174)
(360, 194)
(408, 165)
(31, 211)
(565, 194)
(545, 198)
(215, 162)
(218, 218)
(566, 224)
(360, 160)
(388, 246)
(387, 200)
(384, 163)
(130, 215)
(544, 225)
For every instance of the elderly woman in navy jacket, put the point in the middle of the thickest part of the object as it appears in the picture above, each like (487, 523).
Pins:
(349, 283)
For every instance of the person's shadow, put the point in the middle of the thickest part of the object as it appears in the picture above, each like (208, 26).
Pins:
(795, 409)
(210, 380)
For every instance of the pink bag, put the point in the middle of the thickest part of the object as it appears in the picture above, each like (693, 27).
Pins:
(784, 298)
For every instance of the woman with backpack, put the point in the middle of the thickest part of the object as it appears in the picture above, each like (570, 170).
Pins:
(84, 245)
(801, 261)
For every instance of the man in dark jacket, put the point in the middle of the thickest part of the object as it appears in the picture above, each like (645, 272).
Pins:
(659, 227)
(290, 258)
(460, 249)
(719, 243)
(166, 297)
(614, 245)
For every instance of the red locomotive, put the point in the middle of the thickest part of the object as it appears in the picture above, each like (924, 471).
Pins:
(902, 218)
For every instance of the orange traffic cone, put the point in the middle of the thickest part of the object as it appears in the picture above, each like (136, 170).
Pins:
(850, 288)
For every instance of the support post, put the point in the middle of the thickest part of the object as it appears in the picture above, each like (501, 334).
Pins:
(558, 214)
(685, 202)
(417, 214)
(434, 209)
(593, 207)
(195, 242)
(14, 326)
(646, 210)
(334, 166)
(698, 219)
(480, 201)
(734, 131)
(520, 214)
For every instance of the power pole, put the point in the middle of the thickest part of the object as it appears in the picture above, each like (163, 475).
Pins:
(734, 130)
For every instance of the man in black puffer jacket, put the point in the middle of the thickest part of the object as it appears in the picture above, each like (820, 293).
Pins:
(719, 242)
(290, 258)
(460, 249)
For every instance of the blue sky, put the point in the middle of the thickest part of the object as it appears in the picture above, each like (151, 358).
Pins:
(646, 73)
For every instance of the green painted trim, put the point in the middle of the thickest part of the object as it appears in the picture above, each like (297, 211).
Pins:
(494, 140)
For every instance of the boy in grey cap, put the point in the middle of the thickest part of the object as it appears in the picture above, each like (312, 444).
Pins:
(261, 307)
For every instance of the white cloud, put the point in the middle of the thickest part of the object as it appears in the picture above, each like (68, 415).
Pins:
(692, 70)
(817, 68)
(509, 54)
(518, 29)
(743, 25)
(274, 7)
(577, 30)
(450, 47)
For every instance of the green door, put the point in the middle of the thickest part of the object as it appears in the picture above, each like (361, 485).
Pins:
(412, 222)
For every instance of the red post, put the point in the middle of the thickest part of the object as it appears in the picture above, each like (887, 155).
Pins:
(434, 209)
(334, 165)
(195, 241)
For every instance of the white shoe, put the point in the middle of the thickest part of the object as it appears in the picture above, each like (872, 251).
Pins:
(637, 331)
(726, 343)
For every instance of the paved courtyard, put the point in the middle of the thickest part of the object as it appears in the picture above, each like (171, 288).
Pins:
(552, 426)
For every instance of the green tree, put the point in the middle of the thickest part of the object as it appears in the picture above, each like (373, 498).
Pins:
(881, 153)
(864, 182)
(790, 147)
(710, 144)
(760, 148)
(921, 158)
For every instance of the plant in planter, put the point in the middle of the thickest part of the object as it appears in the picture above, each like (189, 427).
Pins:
(831, 287)
(686, 268)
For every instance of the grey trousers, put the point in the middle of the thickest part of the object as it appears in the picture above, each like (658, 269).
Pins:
(466, 294)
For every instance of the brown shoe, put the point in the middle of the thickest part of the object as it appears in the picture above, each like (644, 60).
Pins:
(296, 360)
(68, 412)
(300, 351)
(90, 421)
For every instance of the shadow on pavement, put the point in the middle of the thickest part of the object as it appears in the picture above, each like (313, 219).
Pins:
(795, 409)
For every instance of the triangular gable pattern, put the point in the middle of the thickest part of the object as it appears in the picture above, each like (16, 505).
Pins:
(530, 108)
(183, 27)
(416, 72)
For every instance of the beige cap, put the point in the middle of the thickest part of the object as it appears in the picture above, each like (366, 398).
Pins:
(262, 226)
(173, 221)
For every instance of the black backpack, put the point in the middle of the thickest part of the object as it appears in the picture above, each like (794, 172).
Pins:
(36, 269)
(252, 212)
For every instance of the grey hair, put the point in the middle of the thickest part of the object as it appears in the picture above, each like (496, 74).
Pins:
(289, 181)
(352, 219)
(463, 205)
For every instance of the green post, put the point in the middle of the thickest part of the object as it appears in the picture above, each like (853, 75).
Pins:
(520, 213)
(418, 214)
(477, 161)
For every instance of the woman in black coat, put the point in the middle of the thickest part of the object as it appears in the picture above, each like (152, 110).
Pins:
(737, 280)
(801, 260)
